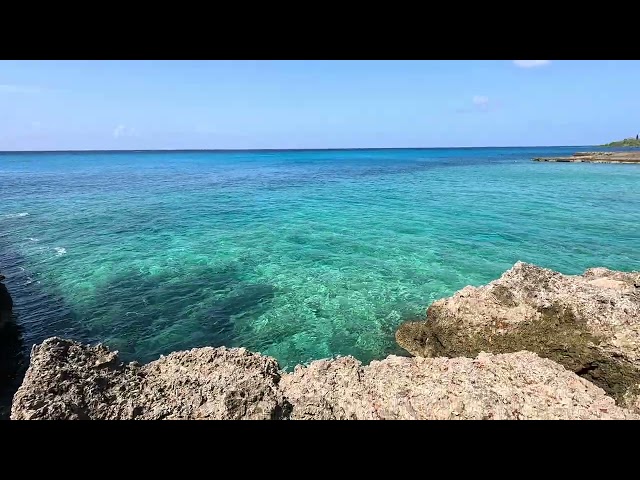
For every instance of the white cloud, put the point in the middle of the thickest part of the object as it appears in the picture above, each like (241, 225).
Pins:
(118, 131)
(531, 63)
(481, 101)
(124, 131)
(6, 88)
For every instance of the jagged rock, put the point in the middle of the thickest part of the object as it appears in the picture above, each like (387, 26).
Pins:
(588, 323)
(212, 383)
(327, 390)
(509, 386)
(62, 382)
(68, 380)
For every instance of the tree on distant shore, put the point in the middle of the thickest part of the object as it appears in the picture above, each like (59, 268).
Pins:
(627, 142)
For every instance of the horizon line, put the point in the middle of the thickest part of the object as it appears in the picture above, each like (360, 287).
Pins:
(152, 150)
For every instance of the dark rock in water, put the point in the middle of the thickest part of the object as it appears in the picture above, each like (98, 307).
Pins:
(13, 363)
(588, 323)
(6, 305)
(6, 302)
(11, 358)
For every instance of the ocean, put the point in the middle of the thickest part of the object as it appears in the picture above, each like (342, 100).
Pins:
(300, 255)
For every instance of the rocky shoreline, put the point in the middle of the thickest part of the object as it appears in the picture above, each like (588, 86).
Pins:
(589, 323)
(534, 344)
(71, 381)
(595, 157)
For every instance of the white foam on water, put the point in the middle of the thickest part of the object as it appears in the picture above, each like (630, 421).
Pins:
(60, 251)
(33, 239)
(17, 215)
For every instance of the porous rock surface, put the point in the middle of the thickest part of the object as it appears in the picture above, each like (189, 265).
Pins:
(588, 323)
(69, 380)
(508, 386)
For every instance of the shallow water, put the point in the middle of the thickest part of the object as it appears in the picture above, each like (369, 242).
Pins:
(296, 254)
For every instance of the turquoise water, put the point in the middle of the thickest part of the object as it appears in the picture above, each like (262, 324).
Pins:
(296, 254)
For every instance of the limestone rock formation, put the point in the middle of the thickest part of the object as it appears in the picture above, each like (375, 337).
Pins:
(212, 383)
(588, 323)
(595, 157)
(508, 386)
(68, 380)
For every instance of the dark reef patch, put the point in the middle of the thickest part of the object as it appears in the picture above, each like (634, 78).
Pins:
(146, 315)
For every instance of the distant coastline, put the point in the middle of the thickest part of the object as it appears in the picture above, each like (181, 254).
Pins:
(627, 142)
(226, 150)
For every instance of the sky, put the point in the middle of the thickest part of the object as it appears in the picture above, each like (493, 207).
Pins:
(130, 104)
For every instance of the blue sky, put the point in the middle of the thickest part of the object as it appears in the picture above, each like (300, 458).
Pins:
(78, 105)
